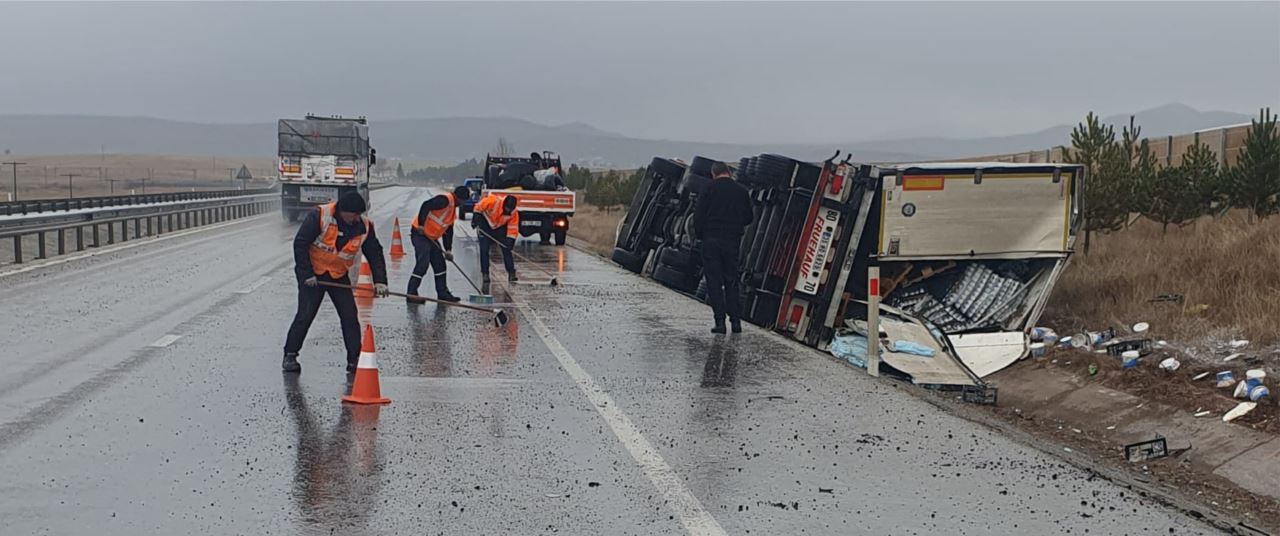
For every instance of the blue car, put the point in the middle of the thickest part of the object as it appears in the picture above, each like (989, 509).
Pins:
(466, 206)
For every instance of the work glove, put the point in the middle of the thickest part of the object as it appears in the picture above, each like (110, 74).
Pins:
(310, 281)
(448, 255)
(380, 290)
(508, 242)
(475, 223)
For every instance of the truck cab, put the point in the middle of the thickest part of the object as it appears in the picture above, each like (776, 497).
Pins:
(320, 159)
(466, 206)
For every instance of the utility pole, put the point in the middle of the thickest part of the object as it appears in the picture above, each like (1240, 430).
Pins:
(231, 174)
(15, 176)
(113, 182)
(71, 177)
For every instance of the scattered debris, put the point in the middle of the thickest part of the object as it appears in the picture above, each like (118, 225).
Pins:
(1112, 427)
(1238, 344)
(1203, 413)
(1200, 376)
(1232, 357)
(1170, 364)
(1142, 346)
(593, 484)
(1167, 298)
(1146, 450)
(1141, 327)
(1239, 411)
(1093, 369)
(1130, 359)
(1226, 378)
(826, 490)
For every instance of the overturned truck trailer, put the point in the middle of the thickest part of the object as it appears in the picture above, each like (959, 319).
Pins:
(967, 253)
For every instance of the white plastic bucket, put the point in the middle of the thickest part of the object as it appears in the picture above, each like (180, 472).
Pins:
(1037, 349)
(1130, 359)
(1141, 327)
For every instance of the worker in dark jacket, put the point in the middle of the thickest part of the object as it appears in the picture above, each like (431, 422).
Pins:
(432, 235)
(722, 213)
(327, 245)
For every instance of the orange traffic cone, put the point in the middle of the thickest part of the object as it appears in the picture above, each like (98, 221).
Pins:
(397, 247)
(365, 389)
(364, 284)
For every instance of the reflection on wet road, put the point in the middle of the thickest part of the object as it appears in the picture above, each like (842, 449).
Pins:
(593, 411)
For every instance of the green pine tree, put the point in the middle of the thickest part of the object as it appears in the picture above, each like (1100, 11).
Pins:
(1106, 196)
(1254, 182)
(1200, 165)
(400, 170)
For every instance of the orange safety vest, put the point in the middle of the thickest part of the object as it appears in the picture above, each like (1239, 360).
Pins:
(326, 258)
(491, 207)
(438, 221)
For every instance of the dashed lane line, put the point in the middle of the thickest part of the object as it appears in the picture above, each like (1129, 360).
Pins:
(686, 508)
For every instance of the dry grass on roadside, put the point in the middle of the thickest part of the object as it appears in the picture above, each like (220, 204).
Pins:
(596, 226)
(1227, 270)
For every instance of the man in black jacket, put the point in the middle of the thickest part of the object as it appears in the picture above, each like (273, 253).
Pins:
(325, 248)
(722, 213)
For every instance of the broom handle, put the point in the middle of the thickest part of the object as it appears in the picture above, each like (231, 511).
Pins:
(440, 302)
(455, 265)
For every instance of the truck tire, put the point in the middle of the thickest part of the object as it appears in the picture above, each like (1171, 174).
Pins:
(693, 184)
(544, 237)
(701, 166)
(677, 258)
(632, 262)
(666, 169)
(561, 237)
(675, 279)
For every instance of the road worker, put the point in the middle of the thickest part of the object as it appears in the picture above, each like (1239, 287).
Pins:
(432, 235)
(722, 213)
(500, 222)
(327, 245)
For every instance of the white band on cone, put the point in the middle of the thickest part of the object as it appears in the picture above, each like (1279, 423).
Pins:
(367, 361)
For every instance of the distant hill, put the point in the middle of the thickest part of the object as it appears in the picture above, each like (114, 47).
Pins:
(1166, 120)
(459, 138)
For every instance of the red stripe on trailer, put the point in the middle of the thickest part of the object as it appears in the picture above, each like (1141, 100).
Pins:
(873, 287)
(797, 312)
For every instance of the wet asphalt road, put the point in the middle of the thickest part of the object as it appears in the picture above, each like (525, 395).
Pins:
(143, 395)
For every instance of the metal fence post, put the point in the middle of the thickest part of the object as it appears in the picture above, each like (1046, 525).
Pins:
(96, 236)
(40, 246)
(17, 249)
(79, 238)
(62, 242)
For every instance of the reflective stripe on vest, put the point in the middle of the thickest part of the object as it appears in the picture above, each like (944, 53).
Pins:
(326, 258)
(438, 221)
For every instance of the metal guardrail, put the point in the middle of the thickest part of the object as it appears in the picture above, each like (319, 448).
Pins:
(144, 220)
(9, 208)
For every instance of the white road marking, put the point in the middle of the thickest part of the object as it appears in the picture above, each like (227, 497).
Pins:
(254, 286)
(130, 244)
(165, 341)
(696, 520)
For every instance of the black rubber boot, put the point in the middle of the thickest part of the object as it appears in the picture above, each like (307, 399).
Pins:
(718, 329)
(735, 325)
(511, 277)
(449, 297)
(291, 363)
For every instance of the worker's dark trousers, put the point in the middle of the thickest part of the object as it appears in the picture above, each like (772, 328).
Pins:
(309, 300)
(485, 242)
(428, 255)
(720, 266)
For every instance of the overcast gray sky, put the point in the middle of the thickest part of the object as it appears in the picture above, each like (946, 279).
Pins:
(760, 72)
